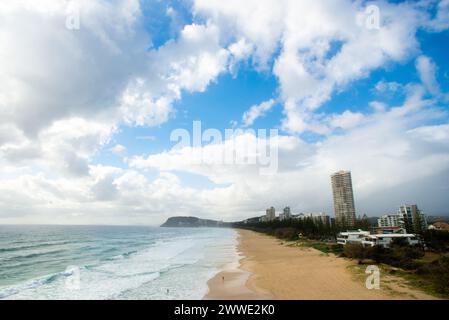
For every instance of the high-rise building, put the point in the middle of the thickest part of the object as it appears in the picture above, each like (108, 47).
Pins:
(344, 207)
(287, 213)
(270, 214)
(315, 217)
(321, 217)
(412, 219)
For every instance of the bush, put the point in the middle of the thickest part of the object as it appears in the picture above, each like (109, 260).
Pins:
(399, 242)
(402, 257)
(328, 248)
(438, 272)
(355, 251)
(286, 233)
(437, 240)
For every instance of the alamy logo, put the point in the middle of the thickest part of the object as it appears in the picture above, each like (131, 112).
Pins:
(373, 280)
(239, 147)
(372, 21)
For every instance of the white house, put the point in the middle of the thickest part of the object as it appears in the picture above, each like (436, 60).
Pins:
(352, 237)
(370, 240)
(385, 240)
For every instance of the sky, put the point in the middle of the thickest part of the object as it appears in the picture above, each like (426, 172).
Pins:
(121, 111)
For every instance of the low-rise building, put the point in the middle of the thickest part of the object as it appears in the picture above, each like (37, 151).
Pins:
(370, 240)
(386, 240)
(350, 237)
(441, 226)
(388, 230)
(389, 220)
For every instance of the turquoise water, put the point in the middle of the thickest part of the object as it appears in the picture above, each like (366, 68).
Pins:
(106, 262)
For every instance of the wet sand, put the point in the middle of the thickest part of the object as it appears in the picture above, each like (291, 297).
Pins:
(271, 270)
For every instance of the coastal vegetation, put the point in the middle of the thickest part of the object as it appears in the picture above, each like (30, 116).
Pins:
(423, 269)
(295, 229)
(425, 266)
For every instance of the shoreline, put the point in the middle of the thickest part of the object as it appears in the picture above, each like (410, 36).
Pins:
(269, 269)
(231, 283)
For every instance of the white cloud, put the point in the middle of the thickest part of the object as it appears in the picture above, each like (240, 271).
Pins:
(378, 106)
(119, 150)
(323, 45)
(50, 72)
(240, 51)
(139, 107)
(427, 73)
(432, 134)
(64, 93)
(189, 64)
(65, 147)
(441, 20)
(347, 120)
(257, 111)
(193, 61)
(255, 21)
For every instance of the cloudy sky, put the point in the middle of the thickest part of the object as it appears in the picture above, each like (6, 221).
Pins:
(92, 90)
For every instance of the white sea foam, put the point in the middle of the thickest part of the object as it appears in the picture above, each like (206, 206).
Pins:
(175, 267)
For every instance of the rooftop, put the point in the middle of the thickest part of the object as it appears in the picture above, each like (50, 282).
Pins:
(393, 235)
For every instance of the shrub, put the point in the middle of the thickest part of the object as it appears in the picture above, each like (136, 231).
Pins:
(398, 256)
(379, 254)
(355, 251)
(328, 248)
(442, 275)
(438, 273)
(286, 233)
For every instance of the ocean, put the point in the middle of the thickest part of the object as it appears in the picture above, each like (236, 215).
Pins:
(111, 262)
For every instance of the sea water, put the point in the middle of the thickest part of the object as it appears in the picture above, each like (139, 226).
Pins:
(108, 262)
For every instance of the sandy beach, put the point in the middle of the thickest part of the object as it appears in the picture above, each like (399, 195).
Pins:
(271, 270)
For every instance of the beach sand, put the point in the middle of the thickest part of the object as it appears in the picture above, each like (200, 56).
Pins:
(270, 270)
